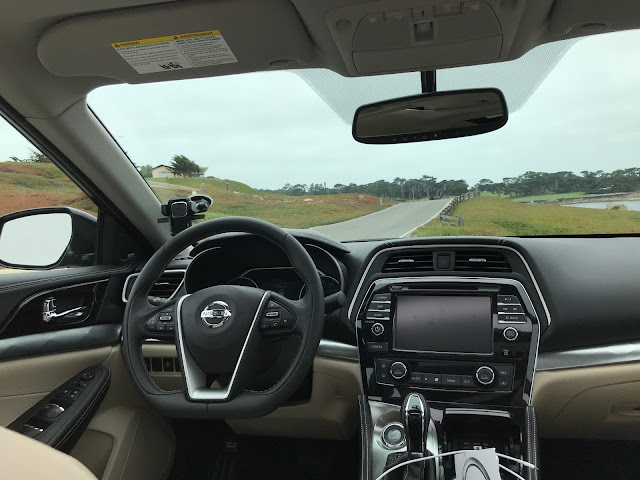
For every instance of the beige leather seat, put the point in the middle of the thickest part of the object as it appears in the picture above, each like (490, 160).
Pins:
(25, 458)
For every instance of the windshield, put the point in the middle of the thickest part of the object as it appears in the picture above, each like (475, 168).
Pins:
(278, 146)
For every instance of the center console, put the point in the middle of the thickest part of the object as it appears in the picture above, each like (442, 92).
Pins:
(457, 339)
(468, 345)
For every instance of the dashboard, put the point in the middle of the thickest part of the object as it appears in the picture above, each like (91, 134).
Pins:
(491, 317)
(581, 288)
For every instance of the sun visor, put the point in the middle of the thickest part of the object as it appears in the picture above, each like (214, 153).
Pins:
(179, 40)
(405, 35)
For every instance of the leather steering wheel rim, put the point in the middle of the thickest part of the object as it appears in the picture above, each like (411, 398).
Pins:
(246, 404)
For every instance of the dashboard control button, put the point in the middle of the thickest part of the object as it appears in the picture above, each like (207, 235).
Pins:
(398, 288)
(383, 306)
(377, 329)
(398, 370)
(508, 300)
(393, 435)
(382, 297)
(504, 383)
(504, 370)
(485, 375)
(451, 380)
(432, 379)
(373, 315)
(467, 381)
(415, 378)
(377, 346)
(444, 262)
(510, 334)
(511, 318)
(510, 309)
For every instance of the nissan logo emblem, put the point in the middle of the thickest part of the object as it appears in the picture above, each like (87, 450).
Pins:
(216, 314)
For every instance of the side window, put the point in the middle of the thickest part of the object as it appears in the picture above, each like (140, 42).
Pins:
(46, 221)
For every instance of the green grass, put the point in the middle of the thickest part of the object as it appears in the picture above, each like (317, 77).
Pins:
(488, 215)
(32, 185)
(210, 183)
(283, 210)
(42, 185)
(550, 196)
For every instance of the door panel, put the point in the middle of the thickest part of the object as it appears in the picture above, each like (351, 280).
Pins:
(25, 381)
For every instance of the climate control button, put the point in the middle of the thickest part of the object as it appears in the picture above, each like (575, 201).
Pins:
(398, 370)
(485, 375)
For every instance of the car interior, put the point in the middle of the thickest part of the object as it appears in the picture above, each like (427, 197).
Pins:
(160, 346)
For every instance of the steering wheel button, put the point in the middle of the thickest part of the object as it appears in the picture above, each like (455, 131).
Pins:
(165, 318)
(272, 313)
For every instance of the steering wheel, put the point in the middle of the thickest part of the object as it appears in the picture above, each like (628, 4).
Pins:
(243, 351)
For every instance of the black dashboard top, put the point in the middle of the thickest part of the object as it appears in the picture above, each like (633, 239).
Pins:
(585, 289)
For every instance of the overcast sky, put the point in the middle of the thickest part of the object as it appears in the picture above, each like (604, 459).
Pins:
(268, 129)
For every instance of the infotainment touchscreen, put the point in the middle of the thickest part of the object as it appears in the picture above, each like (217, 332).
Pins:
(443, 324)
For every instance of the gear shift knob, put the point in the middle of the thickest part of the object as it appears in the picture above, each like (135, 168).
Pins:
(415, 417)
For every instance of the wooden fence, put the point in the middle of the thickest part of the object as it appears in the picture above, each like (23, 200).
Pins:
(446, 218)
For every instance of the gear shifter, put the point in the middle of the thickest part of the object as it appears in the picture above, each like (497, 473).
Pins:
(416, 417)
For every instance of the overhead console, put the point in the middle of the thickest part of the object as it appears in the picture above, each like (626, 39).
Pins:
(387, 36)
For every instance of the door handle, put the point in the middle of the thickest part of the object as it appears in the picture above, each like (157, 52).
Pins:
(49, 313)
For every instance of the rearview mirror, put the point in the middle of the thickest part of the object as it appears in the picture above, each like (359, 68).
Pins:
(44, 238)
(431, 116)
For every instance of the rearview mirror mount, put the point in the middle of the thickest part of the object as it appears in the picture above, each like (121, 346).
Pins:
(431, 116)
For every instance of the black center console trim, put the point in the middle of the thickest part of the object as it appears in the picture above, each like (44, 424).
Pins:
(431, 247)
(453, 371)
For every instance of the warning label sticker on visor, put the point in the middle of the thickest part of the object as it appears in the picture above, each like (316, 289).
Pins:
(175, 52)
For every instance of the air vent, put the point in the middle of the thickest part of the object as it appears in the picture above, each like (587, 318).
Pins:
(481, 261)
(165, 286)
(409, 262)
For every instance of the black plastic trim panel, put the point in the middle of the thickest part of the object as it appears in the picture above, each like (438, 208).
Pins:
(61, 341)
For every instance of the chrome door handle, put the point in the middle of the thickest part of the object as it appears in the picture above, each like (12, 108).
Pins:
(49, 313)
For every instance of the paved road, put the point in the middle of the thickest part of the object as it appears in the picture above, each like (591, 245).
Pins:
(397, 221)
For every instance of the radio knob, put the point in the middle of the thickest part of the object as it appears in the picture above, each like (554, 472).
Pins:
(398, 370)
(377, 329)
(485, 375)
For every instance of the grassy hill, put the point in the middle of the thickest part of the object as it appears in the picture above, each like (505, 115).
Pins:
(283, 210)
(488, 215)
(211, 183)
(31, 185)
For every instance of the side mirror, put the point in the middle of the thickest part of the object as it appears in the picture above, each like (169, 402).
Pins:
(46, 238)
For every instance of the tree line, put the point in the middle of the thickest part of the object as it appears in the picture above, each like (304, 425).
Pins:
(529, 183)
(541, 183)
(397, 189)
